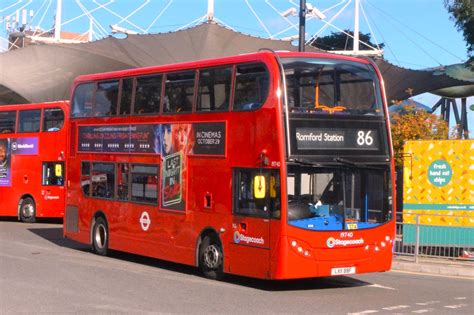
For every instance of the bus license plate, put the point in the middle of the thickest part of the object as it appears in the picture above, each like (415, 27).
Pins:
(343, 271)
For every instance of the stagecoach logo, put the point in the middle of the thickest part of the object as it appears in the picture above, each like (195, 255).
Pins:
(331, 242)
(145, 221)
(238, 237)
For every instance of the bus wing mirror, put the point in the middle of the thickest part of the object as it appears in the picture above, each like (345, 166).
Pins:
(259, 187)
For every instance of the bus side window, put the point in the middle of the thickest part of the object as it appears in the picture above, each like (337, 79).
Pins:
(246, 203)
(126, 96)
(53, 119)
(7, 121)
(103, 180)
(82, 100)
(145, 183)
(214, 89)
(179, 92)
(148, 95)
(251, 87)
(86, 177)
(123, 176)
(53, 174)
(106, 98)
(29, 120)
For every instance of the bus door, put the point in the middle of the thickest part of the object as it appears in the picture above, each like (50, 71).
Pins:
(256, 203)
(53, 189)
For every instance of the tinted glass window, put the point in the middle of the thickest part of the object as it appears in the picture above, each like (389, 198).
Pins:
(145, 183)
(106, 98)
(29, 120)
(251, 87)
(86, 178)
(148, 95)
(247, 203)
(123, 176)
(7, 122)
(82, 100)
(53, 174)
(53, 119)
(126, 96)
(214, 89)
(179, 92)
(103, 180)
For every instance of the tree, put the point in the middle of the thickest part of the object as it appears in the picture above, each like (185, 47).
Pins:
(462, 12)
(415, 124)
(341, 41)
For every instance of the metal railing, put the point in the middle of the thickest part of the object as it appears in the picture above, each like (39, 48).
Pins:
(438, 236)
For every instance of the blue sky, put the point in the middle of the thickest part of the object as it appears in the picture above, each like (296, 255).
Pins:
(417, 33)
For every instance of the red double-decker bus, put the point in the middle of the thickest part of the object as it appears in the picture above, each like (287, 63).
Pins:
(33, 140)
(268, 165)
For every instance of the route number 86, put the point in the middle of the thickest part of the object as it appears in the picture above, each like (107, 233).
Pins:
(364, 138)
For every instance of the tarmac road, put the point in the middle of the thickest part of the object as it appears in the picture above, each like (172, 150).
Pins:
(40, 272)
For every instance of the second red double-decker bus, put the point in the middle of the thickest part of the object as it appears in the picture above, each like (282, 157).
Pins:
(269, 165)
(32, 160)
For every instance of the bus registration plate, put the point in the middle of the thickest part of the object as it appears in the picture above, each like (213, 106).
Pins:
(343, 271)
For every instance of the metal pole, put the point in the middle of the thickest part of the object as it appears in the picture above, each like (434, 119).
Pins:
(355, 47)
(57, 23)
(302, 25)
(417, 238)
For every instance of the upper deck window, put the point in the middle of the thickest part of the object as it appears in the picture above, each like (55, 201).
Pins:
(106, 97)
(82, 100)
(29, 120)
(148, 94)
(53, 119)
(126, 96)
(7, 121)
(326, 86)
(179, 92)
(214, 89)
(251, 86)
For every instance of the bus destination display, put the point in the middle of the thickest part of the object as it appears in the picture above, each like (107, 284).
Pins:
(336, 138)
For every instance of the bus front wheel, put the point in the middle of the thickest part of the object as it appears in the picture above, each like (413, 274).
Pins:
(28, 210)
(211, 258)
(100, 237)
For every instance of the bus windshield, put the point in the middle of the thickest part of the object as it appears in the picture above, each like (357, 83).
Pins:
(325, 86)
(338, 198)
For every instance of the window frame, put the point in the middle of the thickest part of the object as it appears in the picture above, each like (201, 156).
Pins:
(270, 213)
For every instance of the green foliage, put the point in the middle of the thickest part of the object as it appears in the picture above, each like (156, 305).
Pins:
(462, 12)
(413, 124)
(340, 41)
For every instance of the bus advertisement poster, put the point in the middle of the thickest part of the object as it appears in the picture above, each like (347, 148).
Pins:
(172, 188)
(5, 163)
(25, 146)
(163, 139)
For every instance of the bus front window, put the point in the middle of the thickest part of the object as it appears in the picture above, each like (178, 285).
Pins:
(325, 86)
(338, 198)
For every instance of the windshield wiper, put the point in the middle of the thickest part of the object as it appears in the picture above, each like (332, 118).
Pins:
(304, 162)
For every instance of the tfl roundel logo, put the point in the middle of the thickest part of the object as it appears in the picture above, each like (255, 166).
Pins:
(331, 242)
(237, 237)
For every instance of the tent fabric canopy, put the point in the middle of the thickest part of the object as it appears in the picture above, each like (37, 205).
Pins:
(41, 73)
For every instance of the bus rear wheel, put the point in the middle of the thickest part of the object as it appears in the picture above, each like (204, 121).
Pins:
(211, 258)
(100, 237)
(28, 210)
